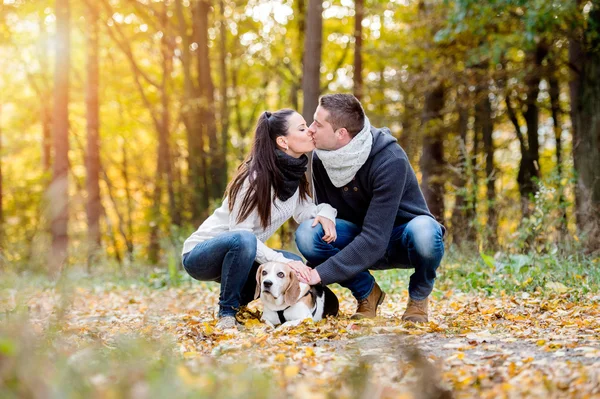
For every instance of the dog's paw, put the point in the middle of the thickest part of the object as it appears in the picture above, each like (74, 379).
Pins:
(269, 324)
(292, 323)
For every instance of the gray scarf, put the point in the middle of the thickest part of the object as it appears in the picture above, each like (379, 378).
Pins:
(342, 164)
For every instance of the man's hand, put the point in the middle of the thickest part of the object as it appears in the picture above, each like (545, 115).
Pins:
(328, 228)
(313, 278)
(302, 271)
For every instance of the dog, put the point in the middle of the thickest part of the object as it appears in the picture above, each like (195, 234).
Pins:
(287, 301)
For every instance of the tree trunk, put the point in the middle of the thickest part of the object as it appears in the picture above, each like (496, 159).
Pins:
(459, 218)
(93, 205)
(530, 164)
(45, 106)
(224, 97)
(487, 129)
(526, 165)
(408, 137)
(206, 101)
(165, 135)
(432, 160)
(554, 92)
(311, 71)
(311, 76)
(1, 190)
(58, 194)
(127, 235)
(357, 74)
(197, 167)
(163, 161)
(46, 137)
(584, 53)
(300, 17)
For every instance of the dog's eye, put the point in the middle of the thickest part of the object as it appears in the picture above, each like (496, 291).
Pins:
(280, 275)
(264, 273)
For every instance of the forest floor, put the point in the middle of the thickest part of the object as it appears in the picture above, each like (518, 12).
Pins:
(134, 340)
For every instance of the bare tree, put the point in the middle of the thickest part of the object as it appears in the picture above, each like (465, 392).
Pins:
(432, 160)
(93, 205)
(484, 111)
(359, 12)
(459, 215)
(311, 85)
(160, 118)
(206, 97)
(1, 188)
(584, 57)
(191, 115)
(223, 91)
(58, 193)
(555, 109)
(311, 77)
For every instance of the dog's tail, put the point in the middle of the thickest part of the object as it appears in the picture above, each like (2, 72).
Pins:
(332, 305)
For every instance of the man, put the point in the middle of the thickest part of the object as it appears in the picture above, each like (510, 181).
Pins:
(383, 219)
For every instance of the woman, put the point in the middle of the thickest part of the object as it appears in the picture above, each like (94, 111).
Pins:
(269, 188)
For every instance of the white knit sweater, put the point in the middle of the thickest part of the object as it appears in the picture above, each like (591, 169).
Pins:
(222, 220)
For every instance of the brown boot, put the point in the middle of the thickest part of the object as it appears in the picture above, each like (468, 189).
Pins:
(416, 311)
(367, 308)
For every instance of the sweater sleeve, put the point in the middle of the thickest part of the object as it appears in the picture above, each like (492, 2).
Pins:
(307, 209)
(370, 245)
(264, 254)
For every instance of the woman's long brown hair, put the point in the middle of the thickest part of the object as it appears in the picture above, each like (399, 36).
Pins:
(261, 168)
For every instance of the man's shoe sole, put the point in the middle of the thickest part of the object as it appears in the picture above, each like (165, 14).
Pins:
(359, 316)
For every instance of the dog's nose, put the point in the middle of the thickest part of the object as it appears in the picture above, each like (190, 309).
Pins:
(267, 283)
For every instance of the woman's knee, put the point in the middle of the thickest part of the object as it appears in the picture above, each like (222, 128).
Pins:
(244, 241)
(306, 235)
(426, 236)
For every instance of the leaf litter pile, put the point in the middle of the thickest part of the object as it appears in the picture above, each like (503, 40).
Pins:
(522, 344)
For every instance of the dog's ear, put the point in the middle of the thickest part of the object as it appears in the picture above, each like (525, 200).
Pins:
(293, 289)
(258, 281)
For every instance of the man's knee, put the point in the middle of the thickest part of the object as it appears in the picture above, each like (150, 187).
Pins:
(426, 236)
(306, 236)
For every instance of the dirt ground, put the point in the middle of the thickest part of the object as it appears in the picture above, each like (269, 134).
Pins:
(474, 346)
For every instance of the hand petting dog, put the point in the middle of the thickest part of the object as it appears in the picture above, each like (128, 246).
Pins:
(304, 273)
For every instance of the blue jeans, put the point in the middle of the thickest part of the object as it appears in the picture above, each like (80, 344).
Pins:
(228, 259)
(417, 244)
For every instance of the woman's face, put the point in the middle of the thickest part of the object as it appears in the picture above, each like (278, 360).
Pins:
(297, 141)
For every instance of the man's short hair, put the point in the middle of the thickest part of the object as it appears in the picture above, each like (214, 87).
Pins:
(344, 111)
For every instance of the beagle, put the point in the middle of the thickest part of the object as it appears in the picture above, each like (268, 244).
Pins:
(287, 301)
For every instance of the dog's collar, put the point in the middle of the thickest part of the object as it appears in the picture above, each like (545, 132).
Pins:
(282, 318)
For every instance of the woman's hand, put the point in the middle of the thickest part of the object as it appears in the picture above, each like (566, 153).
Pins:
(302, 271)
(328, 228)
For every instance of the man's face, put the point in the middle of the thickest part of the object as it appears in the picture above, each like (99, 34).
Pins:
(323, 135)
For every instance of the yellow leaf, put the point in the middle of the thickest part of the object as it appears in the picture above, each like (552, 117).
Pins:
(291, 371)
(556, 286)
(208, 329)
(251, 323)
(280, 357)
(309, 352)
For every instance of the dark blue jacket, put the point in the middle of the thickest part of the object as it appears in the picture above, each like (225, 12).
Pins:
(383, 194)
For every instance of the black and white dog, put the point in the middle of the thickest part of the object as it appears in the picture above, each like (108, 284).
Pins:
(287, 301)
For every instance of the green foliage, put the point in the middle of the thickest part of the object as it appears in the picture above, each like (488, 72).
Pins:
(542, 231)
(520, 272)
(406, 49)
